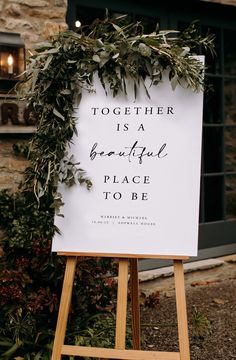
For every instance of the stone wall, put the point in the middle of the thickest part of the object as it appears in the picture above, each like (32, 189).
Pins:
(33, 19)
(11, 167)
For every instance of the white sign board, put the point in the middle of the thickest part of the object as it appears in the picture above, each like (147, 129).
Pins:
(143, 157)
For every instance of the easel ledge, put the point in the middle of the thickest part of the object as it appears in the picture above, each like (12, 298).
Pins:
(126, 256)
(60, 349)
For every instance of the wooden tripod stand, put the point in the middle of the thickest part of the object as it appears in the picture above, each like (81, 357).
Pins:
(119, 352)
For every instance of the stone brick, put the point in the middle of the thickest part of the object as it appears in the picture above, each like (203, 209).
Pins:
(13, 10)
(31, 3)
(6, 147)
(5, 163)
(33, 19)
(2, 24)
(60, 3)
(10, 180)
(11, 167)
(17, 164)
(55, 13)
(51, 28)
(223, 2)
(17, 24)
(29, 38)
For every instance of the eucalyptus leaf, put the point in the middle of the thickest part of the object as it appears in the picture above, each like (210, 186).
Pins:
(65, 92)
(174, 81)
(51, 51)
(96, 58)
(41, 46)
(58, 114)
(49, 59)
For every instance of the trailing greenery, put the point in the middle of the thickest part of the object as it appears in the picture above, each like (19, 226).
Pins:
(62, 68)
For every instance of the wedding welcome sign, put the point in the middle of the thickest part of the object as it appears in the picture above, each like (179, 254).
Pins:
(143, 157)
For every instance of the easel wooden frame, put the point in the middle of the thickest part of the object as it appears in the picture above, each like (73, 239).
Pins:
(119, 352)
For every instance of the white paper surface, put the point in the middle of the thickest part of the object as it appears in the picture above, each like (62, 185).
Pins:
(143, 156)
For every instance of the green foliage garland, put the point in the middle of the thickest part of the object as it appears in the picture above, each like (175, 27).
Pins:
(60, 69)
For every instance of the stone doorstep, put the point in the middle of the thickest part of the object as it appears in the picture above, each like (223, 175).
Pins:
(228, 258)
(188, 267)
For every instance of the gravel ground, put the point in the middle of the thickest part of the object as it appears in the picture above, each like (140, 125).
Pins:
(212, 321)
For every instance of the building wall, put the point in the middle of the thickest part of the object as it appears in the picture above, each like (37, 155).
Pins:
(11, 166)
(35, 20)
(223, 2)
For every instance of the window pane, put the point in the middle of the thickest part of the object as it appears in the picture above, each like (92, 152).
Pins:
(87, 15)
(212, 101)
(213, 204)
(212, 149)
(230, 148)
(230, 52)
(230, 101)
(149, 23)
(230, 196)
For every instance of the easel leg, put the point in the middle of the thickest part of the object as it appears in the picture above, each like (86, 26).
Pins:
(64, 308)
(134, 284)
(121, 310)
(181, 310)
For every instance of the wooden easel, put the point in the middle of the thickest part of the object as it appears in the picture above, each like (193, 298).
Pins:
(119, 352)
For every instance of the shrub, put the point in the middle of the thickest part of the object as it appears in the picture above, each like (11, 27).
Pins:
(31, 280)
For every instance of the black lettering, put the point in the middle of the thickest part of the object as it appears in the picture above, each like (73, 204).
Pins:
(160, 151)
(160, 110)
(117, 196)
(148, 110)
(94, 110)
(105, 111)
(106, 177)
(106, 194)
(141, 127)
(116, 111)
